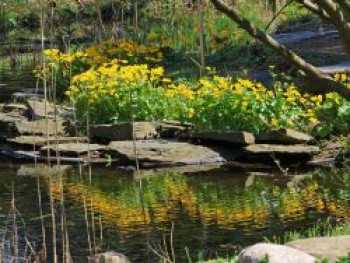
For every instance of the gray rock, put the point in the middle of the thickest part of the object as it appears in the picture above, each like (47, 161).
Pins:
(160, 153)
(31, 141)
(37, 109)
(275, 254)
(284, 136)
(74, 149)
(173, 129)
(298, 149)
(241, 138)
(109, 257)
(324, 247)
(14, 107)
(7, 124)
(124, 131)
(39, 127)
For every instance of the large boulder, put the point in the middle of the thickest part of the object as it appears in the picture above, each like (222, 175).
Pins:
(324, 247)
(284, 136)
(109, 257)
(275, 254)
(240, 138)
(163, 153)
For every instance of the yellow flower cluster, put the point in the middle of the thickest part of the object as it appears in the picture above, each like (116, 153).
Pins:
(109, 78)
(342, 78)
(121, 49)
(125, 51)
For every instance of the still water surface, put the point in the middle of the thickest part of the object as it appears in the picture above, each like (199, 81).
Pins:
(213, 212)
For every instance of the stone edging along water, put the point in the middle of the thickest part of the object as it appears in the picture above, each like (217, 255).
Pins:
(27, 135)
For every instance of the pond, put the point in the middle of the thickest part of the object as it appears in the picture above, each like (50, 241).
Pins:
(214, 212)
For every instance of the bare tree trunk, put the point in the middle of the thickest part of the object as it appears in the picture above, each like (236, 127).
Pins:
(201, 37)
(99, 20)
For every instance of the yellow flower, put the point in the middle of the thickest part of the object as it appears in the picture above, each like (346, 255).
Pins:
(274, 122)
(343, 77)
(314, 120)
(166, 80)
(190, 112)
(337, 77)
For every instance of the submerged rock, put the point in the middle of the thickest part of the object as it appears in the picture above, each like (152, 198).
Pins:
(284, 136)
(240, 138)
(275, 254)
(42, 170)
(160, 153)
(324, 247)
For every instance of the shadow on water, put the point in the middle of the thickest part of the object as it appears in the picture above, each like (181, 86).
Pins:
(215, 211)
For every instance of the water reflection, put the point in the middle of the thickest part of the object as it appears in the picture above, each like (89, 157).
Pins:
(210, 209)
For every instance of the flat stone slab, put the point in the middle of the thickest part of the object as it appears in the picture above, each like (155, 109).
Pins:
(37, 109)
(14, 107)
(163, 153)
(124, 131)
(284, 136)
(173, 129)
(42, 140)
(298, 149)
(324, 247)
(37, 156)
(7, 123)
(241, 138)
(275, 254)
(39, 127)
(74, 149)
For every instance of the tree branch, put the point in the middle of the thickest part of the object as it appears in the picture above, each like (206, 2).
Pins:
(315, 9)
(345, 5)
(323, 83)
(338, 19)
(278, 14)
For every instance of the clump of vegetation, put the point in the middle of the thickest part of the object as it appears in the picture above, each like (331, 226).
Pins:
(123, 81)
